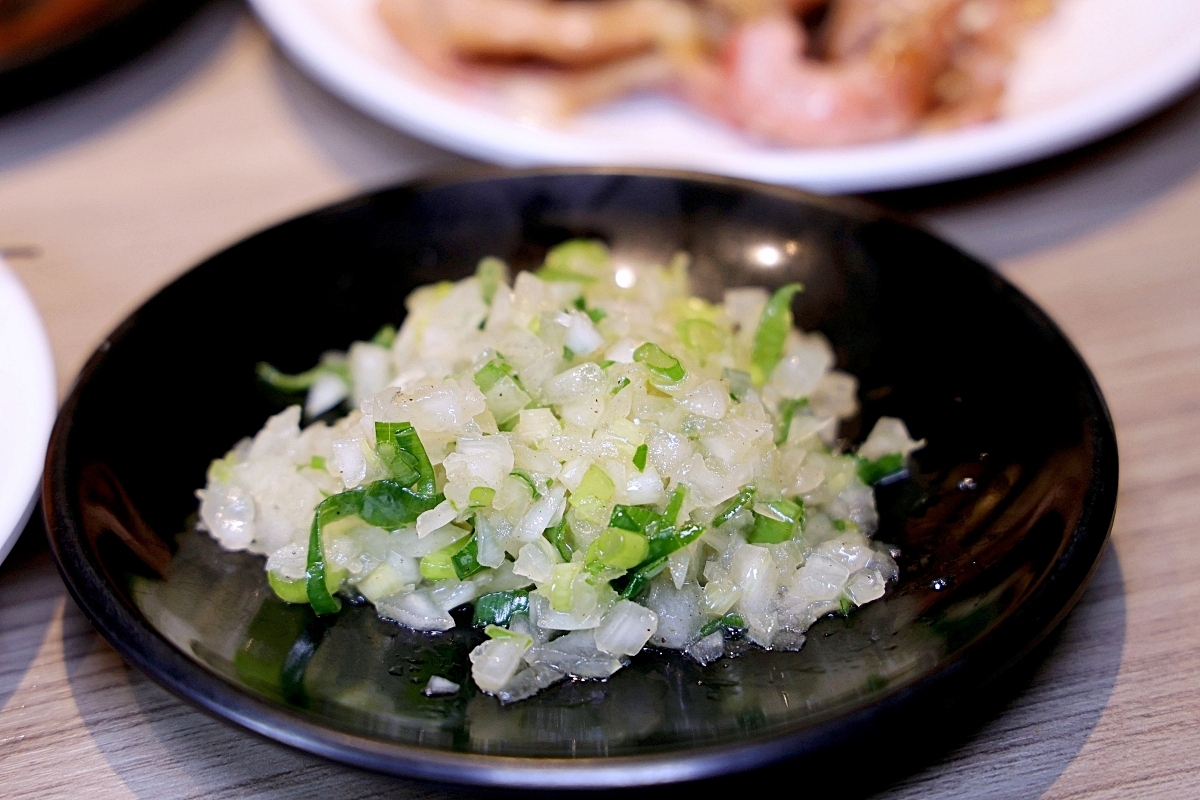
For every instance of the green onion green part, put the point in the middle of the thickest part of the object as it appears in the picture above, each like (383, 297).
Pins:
(618, 549)
(639, 457)
(773, 327)
(466, 561)
(660, 362)
(559, 536)
(385, 336)
(498, 608)
(787, 410)
(731, 622)
(744, 499)
(491, 272)
(872, 472)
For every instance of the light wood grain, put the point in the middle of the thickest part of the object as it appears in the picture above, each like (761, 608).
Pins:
(124, 184)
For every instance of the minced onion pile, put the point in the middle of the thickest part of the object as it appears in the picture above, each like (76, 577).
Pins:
(595, 460)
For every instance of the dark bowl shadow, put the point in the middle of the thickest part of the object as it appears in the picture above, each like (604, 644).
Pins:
(1000, 525)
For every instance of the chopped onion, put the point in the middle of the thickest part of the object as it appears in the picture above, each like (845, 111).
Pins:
(626, 628)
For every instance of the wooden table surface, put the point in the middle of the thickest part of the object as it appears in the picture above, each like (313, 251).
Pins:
(111, 191)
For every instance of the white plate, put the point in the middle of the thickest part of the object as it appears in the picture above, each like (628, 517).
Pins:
(27, 405)
(1091, 68)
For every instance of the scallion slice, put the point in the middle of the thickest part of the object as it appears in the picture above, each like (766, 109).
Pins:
(660, 362)
(773, 327)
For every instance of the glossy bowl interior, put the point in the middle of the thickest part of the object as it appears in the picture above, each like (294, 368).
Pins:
(999, 526)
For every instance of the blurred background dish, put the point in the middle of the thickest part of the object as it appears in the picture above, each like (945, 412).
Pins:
(1087, 69)
(50, 45)
(27, 405)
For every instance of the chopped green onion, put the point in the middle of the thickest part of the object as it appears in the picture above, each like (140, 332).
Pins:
(288, 591)
(580, 303)
(621, 384)
(401, 464)
(319, 578)
(497, 608)
(846, 605)
(639, 457)
(702, 336)
(466, 561)
(729, 622)
(606, 363)
(665, 542)
(787, 410)
(744, 499)
(391, 505)
(617, 548)
(481, 496)
(593, 493)
(775, 522)
(636, 518)
(317, 462)
(596, 314)
(492, 373)
(385, 336)
(559, 536)
(291, 384)
(524, 476)
(641, 577)
(773, 327)
(661, 545)
(660, 362)
(675, 505)
(439, 565)
(568, 354)
(400, 449)
(491, 272)
(576, 260)
(872, 472)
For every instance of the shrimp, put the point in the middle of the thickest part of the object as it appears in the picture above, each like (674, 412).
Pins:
(561, 32)
(770, 88)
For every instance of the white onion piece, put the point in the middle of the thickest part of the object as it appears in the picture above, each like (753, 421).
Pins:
(440, 686)
(326, 392)
(437, 517)
(289, 562)
(536, 561)
(575, 654)
(549, 619)
(582, 336)
(350, 461)
(626, 628)
(621, 351)
(491, 553)
(890, 435)
(416, 610)
(710, 399)
(483, 461)
(370, 369)
(495, 662)
(582, 381)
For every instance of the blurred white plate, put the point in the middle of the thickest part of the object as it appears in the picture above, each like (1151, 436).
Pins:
(1092, 67)
(27, 405)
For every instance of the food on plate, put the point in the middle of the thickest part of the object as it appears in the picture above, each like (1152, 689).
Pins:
(794, 72)
(592, 459)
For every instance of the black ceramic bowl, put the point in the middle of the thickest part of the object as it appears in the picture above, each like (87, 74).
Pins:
(1000, 525)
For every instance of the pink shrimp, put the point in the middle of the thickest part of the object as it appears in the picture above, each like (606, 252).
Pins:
(770, 88)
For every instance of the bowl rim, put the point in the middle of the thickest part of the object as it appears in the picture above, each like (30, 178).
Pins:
(979, 663)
